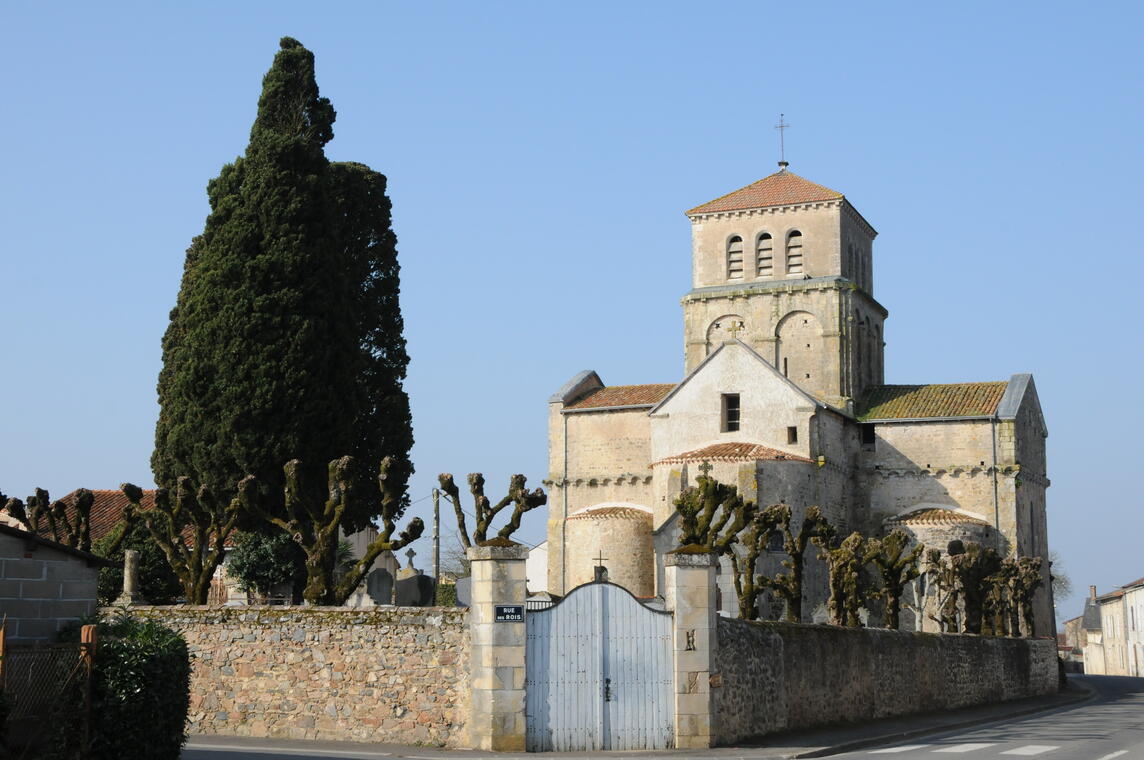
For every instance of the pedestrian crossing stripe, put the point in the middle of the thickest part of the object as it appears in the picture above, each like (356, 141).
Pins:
(1031, 749)
(1028, 750)
(971, 747)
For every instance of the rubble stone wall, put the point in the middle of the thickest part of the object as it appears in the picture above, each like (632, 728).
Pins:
(368, 675)
(780, 676)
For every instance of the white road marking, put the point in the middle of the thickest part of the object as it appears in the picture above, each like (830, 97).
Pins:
(966, 747)
(1113, 754)
(903, 748)
(1032, 749)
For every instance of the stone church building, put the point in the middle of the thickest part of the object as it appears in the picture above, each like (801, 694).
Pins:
(783, 395)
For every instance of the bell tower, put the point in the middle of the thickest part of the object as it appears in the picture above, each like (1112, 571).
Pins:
(786, 266)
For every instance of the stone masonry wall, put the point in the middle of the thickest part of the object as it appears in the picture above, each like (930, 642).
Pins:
(778, 676)
(373, 675)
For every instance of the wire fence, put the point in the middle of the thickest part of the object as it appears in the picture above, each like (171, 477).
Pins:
(46, 686)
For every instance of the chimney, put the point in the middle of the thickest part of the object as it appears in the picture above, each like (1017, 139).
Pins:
(1092, 592)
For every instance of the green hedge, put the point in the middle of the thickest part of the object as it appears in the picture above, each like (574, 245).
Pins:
(140, 692)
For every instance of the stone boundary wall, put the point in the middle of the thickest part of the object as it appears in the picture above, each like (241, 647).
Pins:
(368, 675)
(782, 676)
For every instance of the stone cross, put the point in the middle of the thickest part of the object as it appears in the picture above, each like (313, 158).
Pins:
(411, 554)
(706, 468)
(735, 329)
(130, 593)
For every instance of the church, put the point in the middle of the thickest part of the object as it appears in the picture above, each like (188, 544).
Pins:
(783, 395)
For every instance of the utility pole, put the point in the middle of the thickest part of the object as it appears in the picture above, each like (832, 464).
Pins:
(436, 542)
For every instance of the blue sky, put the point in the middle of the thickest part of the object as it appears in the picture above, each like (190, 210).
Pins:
(540, 157)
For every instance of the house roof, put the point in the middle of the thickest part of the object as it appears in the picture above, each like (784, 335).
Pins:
(1090, 619)
(888, 402)
(1133, 584)
(783, 188)
(623, 395)
(107, 509)
(935, 516)
(732, 452)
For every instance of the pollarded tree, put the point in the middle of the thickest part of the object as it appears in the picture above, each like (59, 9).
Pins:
(67, 524)
(712, 514)
(845, 563)
(896, 567)
(748, 586)
(518, 495)
(192, 527)
(788, 585)
(285, 342)
(314, 522)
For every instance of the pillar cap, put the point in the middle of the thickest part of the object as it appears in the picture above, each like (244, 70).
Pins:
(498, 548)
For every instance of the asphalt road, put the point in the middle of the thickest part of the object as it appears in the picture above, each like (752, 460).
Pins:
(1110, 727)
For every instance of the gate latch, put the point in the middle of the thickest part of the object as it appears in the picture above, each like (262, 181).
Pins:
(607, 690)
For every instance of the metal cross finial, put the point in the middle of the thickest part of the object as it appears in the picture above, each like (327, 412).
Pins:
(600, 558)
(735, 328)
(781, 127)
(706, 468)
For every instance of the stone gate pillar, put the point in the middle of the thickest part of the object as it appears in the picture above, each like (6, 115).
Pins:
(497, 646)
(690, 587)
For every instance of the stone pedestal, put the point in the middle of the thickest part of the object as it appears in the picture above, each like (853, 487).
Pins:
(690, 594)
(498, 578)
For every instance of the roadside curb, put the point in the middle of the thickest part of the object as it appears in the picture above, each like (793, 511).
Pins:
(1085, 694)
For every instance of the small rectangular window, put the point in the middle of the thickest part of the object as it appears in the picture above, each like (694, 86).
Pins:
(792, 434)
(730, 412)
(867, 433)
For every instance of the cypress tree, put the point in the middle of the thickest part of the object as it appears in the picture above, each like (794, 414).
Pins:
(286, 342)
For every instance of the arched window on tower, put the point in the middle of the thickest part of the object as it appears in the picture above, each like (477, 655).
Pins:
(765, 256)
(735, 258)
(794, 253)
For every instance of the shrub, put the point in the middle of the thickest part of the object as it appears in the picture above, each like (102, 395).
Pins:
(140, 693)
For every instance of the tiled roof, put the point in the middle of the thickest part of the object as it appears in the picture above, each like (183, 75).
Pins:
(935, 516)
(624, 395)
(779, 189)
(888, 402)
(618, 513)
(1137, 582)
(1110, 596)
(732, 452)
(107, 509)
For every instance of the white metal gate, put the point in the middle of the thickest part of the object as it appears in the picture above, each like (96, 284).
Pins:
(599, 673)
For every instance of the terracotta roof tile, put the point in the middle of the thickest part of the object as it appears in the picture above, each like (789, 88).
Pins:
(935, 516)
(887, 402)
(620, 513)
(779, 189)
(732, 452)
(624, 395)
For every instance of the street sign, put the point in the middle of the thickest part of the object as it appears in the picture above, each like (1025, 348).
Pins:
(508, 613)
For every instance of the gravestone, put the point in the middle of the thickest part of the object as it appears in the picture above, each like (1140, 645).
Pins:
(464, 591)
(379, 586)
(415, 591)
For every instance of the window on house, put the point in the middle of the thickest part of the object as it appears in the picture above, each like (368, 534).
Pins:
(785, 367)
(730, 412)
(792, 434)
(867, 431)
(765, 256)
(735, 258)
(794, 253)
